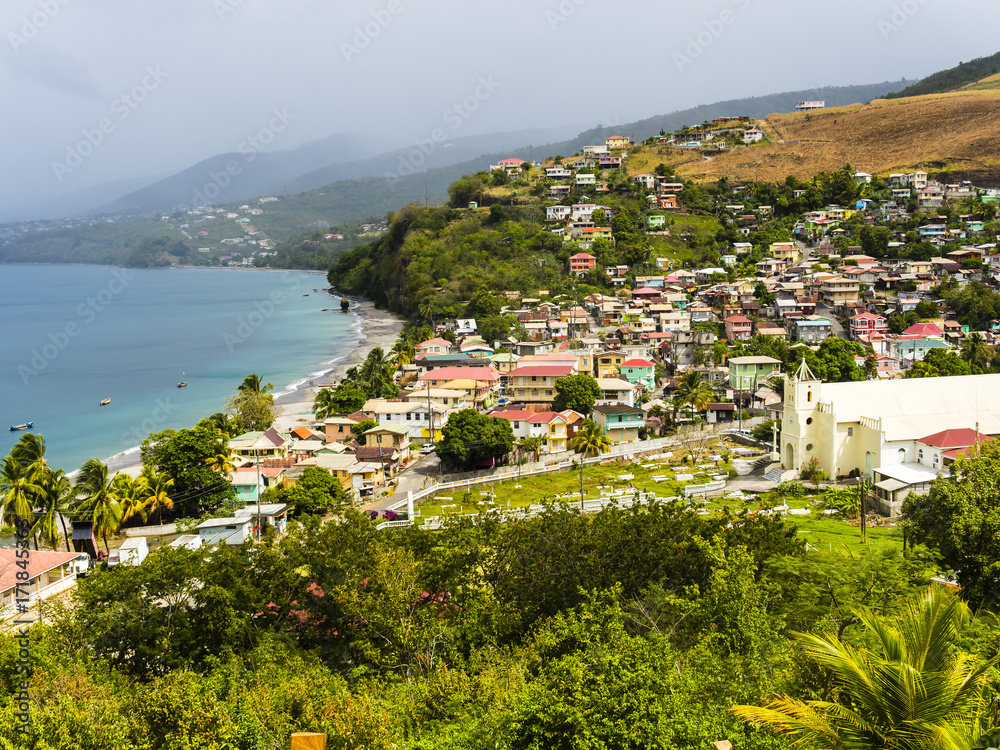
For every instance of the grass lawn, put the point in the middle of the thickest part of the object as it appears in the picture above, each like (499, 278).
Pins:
(819, 531)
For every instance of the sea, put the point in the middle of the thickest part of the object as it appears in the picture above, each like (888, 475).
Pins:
(72, 336)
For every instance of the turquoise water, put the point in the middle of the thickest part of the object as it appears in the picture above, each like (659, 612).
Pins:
(71, 336)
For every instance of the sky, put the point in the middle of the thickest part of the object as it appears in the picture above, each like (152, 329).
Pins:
(95, 91)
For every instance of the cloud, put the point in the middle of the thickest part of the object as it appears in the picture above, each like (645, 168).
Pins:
(52, 69)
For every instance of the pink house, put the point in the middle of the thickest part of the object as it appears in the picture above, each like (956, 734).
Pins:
(738, 328)
(433, 346)
(581, 263)
(864, 325)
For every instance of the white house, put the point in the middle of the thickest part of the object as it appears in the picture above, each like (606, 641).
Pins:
(228, 530)
(49, 574)
(132, 552)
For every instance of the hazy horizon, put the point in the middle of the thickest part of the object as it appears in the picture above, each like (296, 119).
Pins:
(113, 91)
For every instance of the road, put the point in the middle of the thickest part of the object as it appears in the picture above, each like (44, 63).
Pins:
(419, 474)
(837, 329)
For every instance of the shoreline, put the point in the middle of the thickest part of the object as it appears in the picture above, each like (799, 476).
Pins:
(293, 404)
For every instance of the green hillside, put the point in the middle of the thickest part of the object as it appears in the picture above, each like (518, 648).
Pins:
(436, 259)
(954, 78)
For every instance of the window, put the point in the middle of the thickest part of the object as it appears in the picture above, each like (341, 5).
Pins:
(920, 455)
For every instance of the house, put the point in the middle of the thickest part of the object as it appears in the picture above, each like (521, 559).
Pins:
(812, 329)
(753, 135)
(616, 141)
(639, 371)
(581, 263)
(432, 346)
(607, 364)
(656, 221)
(269, 514)
(648, 181)
(863, 325)
(366, 476)
(254, 445)
(837, 291)
(621, 423)
(558, 213)
(338, 429)
(716, 413)
(413, 416)
(738, 328)
(131, 552)
(228, 530)
(551, 426)
(585, 178)
(746, 373)
(395, 437)
(535, 384)
(616, 391)
(338, 465)
(558, 173)
(48, 574)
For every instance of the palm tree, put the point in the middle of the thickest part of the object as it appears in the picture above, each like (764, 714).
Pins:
(590, 440)
(693, 391)
(325, 404)
(427, 309)
(130, 496)
(57, 499)
(375, 372)
(911, 691)
(19, 490)
(975, 352)
(254, 384)
(155, 488)
(222, 462)
(29, 451)
(402, 351)
(100, 502)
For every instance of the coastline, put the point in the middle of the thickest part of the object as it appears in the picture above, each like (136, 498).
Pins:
(293, 404)
(377, 328)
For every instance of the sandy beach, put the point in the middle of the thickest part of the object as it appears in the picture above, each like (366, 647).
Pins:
(378, 328)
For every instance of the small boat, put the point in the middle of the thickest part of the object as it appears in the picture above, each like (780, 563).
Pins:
(19, 427)
(182, 384)
(105, 402)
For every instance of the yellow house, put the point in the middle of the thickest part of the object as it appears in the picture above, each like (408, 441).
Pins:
(268, 444)
(390, 436)
(786, 251)
(339, 467)
(608, 364)
(616, 141)
(837, 290)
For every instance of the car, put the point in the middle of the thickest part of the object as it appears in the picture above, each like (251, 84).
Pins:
(429, 448)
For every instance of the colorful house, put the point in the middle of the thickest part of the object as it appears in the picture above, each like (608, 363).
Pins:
(640, 371)
(621, 423)
(616, 141)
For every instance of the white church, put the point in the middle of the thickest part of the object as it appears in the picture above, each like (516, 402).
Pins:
(901, 433)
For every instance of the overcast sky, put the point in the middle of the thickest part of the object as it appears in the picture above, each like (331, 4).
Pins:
(176, 82)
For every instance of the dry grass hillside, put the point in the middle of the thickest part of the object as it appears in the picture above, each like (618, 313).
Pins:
(957, 133)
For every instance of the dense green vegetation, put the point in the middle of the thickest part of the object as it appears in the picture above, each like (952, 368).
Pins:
(954, 78)
(636, 628)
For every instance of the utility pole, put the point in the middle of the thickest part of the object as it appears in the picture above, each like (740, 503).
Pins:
(257, 462)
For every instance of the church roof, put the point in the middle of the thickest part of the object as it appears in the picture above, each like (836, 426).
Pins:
(911, 408)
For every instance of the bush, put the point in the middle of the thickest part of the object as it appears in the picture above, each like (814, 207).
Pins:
(811, 471)
(791, 489)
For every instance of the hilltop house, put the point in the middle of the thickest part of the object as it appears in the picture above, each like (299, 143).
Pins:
(49, 574)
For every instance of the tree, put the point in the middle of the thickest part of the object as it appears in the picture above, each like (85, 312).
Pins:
(250, 411)
(590, 440)
(346, 398)
(958, 517)
(100, 504)
(910, 691)
(577, 392)
(184, 456)
(129, 494)
(155, 487)
(693, 391)
(939, 363)
(375, 373)
(976, 353)
(483, 304)
(927, 309)
(19, 490)
(470, 438)
(58, 499)
(316, 492)
(254, 384)
(875, 241)
(360, 428)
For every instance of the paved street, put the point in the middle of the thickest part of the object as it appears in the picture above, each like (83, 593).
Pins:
(422, 473)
